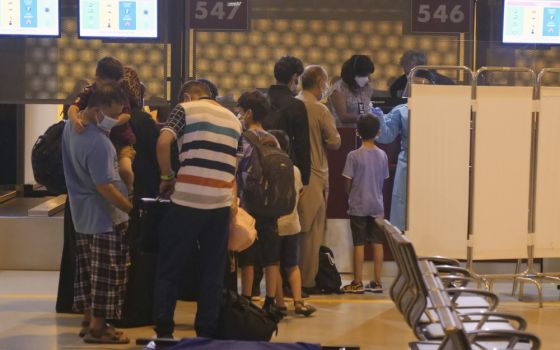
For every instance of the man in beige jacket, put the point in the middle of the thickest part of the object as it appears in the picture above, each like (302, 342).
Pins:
(313, 203)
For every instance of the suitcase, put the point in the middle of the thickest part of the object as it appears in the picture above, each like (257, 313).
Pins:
(142, 236)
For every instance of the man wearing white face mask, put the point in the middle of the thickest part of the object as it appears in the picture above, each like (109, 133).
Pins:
(351, 95)
(100, 207)
(313, 202)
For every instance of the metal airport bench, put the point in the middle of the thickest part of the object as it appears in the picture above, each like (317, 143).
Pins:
(423, 291)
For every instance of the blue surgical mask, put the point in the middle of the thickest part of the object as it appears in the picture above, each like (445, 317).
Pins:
(107, 123)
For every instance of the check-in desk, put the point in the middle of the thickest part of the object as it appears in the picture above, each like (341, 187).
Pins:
(31, 233)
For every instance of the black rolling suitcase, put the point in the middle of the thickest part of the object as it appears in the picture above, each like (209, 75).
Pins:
(143, 240)
(142, 236)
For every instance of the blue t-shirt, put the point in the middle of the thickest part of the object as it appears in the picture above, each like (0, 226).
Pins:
(368, 168)
(90, 159)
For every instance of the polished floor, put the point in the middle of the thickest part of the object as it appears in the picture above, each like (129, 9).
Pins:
(28, 320)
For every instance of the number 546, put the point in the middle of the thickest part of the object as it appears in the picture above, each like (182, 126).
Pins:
(456, 15)
(218, 10)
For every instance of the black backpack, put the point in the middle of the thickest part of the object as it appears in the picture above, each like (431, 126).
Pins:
(46, 159)
(269, 189)
(327, 279)
(242, 320)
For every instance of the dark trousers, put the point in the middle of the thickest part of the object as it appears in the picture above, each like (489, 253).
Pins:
(181, 228)
(65, 297)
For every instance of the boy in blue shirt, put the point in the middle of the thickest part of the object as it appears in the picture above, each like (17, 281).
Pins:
(364, 175)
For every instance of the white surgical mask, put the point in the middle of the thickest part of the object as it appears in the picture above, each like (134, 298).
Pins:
(107, 123)
(362, 81)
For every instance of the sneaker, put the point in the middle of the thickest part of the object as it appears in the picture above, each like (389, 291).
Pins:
(374, 287)
(304, 309)
(354, 288)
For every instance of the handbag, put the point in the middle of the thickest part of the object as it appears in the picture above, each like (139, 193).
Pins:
(242, 320)
(151, 212)
(242, 232)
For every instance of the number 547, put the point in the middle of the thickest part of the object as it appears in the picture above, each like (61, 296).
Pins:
(218, 10)
(456, 15)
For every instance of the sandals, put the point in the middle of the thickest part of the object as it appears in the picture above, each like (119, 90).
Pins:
(108, 335)
(304, 309)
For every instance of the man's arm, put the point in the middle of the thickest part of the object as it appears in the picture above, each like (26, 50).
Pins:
(347, 185)
(115, 197)
(301, 146)
(163, 151)
(331, 137)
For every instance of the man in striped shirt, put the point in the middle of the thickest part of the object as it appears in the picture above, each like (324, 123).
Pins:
(201, 194)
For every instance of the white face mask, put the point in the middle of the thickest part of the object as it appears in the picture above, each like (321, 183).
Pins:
(362, 81)
(107, 123)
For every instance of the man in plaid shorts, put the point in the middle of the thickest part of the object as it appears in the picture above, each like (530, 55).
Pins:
(100, 207)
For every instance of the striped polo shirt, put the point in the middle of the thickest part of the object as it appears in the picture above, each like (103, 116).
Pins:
(207, 136)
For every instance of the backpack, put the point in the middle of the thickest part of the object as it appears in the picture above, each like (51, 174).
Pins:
(46, 159)
(269, 189)
(276, 120)
(242, 320)
(327, 279)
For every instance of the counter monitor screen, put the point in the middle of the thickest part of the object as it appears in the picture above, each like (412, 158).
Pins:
(531, 22)
(118, 19)
(29, 18)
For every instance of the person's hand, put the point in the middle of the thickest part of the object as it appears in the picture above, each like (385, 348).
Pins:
(376, 111)
(166, 188)
(79, 126)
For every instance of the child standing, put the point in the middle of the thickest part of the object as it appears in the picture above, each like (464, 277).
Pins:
(108, 70)
(289, 230)
(364, 174)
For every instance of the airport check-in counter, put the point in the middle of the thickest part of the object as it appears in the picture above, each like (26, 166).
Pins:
(31, 232)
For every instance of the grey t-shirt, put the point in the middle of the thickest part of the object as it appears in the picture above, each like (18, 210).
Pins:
(90, 159)
(368, 168)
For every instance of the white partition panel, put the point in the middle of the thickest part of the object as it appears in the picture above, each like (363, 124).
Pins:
(502, 172)
(439, 169)
(547, 206)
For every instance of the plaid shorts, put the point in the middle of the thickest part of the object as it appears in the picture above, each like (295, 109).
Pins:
(102, 262)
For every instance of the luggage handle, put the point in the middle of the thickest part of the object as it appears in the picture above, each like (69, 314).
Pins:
(158, 199)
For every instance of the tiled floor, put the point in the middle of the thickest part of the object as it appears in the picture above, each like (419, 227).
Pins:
(27, 319)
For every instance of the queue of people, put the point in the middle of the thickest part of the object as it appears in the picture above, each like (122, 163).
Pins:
(204, 177)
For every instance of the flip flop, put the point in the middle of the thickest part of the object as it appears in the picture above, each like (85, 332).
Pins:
(109, 335)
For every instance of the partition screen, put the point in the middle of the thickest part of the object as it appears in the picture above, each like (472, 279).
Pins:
(531, 22)
(29, 18)
(128, 19)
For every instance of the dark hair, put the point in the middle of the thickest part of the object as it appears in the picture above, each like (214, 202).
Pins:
(283, 139)
(311, 76)
(286, 67)
(211, 86)
(356, 66)
(413, 58)
(107, 94)
(368, 126)
(255, 101)
(109, 68)
(193, 87)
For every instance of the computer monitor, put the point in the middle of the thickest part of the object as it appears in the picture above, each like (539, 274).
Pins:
(30, 18)
(531, 22)
(118, 19)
